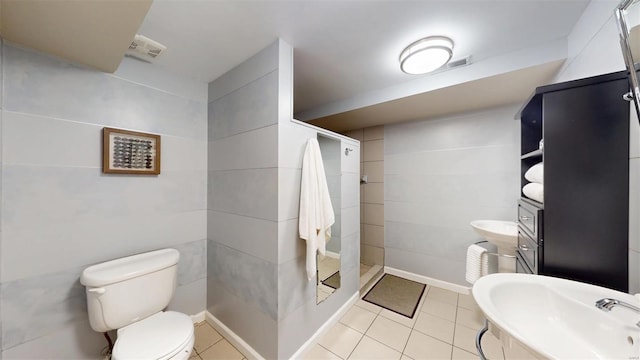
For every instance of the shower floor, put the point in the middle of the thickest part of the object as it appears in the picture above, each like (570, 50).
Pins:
(368, 274)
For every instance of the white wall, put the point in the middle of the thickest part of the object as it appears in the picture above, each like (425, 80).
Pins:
(440, 174)
(595, 50)
(61, 214)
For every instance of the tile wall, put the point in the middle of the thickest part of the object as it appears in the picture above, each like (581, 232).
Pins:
(371, 194)
(242, 232)
(257, 283)
(300, 316)
(60, 214)
(440, 174)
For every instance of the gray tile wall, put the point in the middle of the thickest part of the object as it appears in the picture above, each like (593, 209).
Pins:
(256, 259)
(243, 200)
(61, 214)
(440, 174)
(299, 315)
(256, 279)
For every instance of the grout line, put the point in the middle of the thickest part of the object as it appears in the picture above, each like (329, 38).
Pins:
(355, 347)
(379, 342)
(455, 323)
(329, 351)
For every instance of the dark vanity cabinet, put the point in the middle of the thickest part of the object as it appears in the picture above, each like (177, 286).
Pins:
(581, 230)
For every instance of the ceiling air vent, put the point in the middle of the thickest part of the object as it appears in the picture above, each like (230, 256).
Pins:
(460, 62)
(145, 49)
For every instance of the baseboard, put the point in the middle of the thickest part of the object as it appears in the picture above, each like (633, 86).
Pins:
(252, 354)
(465, 290)
(299, 354)
(199, 317)
(233, 338)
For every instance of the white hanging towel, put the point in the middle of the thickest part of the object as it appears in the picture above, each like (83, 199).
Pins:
(477, 263)
(316, 211)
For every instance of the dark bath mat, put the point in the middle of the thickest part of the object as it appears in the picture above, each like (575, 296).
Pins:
(333, 281)
(396, 294)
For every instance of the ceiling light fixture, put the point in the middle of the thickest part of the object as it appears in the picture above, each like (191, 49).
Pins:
(426, 55)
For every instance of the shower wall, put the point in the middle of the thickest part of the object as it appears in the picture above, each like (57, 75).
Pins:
(371, 194)
(242, 216)
(256, 279)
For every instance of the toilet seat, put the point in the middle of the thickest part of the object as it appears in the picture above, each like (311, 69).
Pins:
(161, 336)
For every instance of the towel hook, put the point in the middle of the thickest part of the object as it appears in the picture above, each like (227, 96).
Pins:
(347, 151)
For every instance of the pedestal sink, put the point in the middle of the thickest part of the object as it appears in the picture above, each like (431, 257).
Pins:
(504, 235)
(557, 318)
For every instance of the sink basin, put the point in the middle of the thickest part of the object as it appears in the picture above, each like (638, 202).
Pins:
(557, 318)
(503, 234)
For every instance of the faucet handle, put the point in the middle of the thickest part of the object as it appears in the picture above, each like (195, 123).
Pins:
(606, 304)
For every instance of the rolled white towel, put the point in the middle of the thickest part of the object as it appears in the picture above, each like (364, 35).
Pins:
(534, 191)
(477, 263)
(535, 174)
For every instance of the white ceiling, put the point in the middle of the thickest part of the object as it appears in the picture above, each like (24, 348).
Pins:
(346, 48)
(346, 72)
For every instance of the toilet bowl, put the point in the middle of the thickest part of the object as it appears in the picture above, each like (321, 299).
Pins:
(165, 335)
(130, 294)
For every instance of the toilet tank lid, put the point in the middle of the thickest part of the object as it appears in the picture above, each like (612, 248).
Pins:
(128, 267)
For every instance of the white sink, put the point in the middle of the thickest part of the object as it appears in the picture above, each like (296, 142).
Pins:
(557, 318)
(503, 234)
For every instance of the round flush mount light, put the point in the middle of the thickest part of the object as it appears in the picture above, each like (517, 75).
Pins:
(426, 55)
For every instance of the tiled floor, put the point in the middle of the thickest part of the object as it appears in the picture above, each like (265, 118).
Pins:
(210, 345)
(444, 327)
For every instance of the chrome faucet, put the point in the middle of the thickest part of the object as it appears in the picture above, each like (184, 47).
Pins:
(607, 304)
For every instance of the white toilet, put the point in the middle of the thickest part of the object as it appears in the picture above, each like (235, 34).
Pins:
(129, 295)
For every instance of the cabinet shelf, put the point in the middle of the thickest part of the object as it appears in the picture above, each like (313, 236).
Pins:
(533, 154)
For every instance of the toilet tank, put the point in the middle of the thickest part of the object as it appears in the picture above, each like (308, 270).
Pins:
(126, 290)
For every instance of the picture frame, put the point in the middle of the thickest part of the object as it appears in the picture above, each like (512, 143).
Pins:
(130, 152)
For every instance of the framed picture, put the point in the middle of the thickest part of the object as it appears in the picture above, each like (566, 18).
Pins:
(130, 152)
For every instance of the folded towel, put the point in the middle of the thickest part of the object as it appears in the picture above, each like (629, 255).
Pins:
(477, 263)
(534, 191)
(535, 173)
(316, 212)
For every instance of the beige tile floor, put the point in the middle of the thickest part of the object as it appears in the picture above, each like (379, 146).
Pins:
(210, 345)
(444, 327)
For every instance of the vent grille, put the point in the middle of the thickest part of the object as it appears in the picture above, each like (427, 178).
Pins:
(460, 62)
(145, 49)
